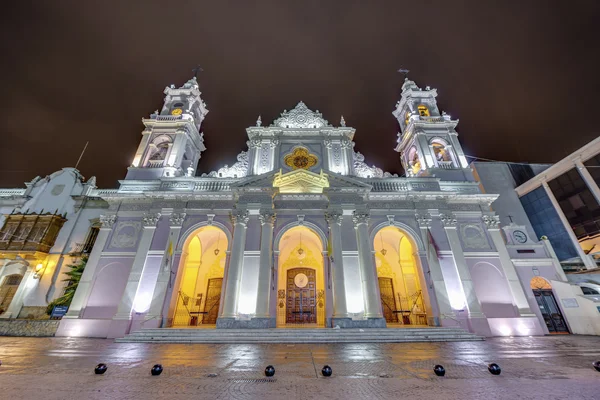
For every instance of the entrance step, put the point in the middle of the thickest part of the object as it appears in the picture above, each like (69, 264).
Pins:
(282, 335)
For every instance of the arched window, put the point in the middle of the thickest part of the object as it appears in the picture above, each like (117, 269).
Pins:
(161, 152)
(423, 110)
(440, 151)
(414, 163)
(158, 151)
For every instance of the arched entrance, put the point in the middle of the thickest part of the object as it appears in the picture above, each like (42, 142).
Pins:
(200, 278)
(301, 283)
(398, 272)
(542, 290)
(8, 289)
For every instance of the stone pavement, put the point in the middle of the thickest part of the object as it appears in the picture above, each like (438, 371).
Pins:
(556, 367)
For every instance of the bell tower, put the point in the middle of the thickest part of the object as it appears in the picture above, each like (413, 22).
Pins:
(428, 143)
(171, 141)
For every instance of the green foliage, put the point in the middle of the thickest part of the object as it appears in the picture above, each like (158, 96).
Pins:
(74, 276)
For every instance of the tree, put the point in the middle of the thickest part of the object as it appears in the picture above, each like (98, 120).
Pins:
(73, 281)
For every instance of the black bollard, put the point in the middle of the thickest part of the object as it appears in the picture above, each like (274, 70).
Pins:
(100, 369)
(596, 365)
(494, 369)
(439, 370)
(269, 371)
(327, 371)
(156, 370)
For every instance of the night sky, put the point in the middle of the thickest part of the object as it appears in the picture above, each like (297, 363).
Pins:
(523, 77)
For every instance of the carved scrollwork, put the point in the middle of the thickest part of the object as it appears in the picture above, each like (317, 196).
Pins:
(334, 217)
(424, 220)
(448, 220)
(362, 170)
(301, 117)
(360, 217)
(150, 219)
(240, 217)
(267, 217)
(176, 219)
(491, 221)
(237, 170)
(107, 221)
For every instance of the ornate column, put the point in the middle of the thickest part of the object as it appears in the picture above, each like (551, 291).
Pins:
(587, 261)
(520, 298)
(263, 298)
(473, 304)
(368, 275)
(234, 274)
(334, 219)
(437, 277)
(84, 287)
(161, 291)
(149, 222)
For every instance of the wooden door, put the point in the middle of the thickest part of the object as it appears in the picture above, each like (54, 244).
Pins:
(8, 290)
(301, 296)
(213, 300)
(388, 299)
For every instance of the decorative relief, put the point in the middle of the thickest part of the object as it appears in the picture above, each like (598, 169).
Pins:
(267, 217)
(360, 217)
(125, 234)
(237, 170)
(150, 219)
(300, 158)
(334, 217)
(424, 220)
(301, 117)
(300, 219)
(254, 143)
(464, 207)
(491, 221)
(362, 170)
(107, 221)
(448, 220)
(390, 219)
(176, 219)
(473, 236)
(240, 217)
(57, 189)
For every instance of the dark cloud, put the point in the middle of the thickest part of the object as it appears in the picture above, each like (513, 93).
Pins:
(521, 76)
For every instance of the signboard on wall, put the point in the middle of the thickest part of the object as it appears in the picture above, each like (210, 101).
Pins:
(58, 312)
(570, 302)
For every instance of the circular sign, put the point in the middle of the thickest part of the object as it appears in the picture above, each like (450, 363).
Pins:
(301, 280)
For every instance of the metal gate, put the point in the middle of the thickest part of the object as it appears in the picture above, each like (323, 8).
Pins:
(301, 299)
(550, 311)
(202, 309)
(213, 299)
(388, 300)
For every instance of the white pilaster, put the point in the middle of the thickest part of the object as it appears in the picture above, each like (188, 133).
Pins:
(126, 304)
(437, 278)
(587, 261)
(164, 275)
(368, 274)
(340, 309)
(473, 304)
(263, 298)
(514, 283)
(234, 274)
(84, 287)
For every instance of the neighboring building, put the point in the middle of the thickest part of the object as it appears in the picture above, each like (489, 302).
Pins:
(44, 227)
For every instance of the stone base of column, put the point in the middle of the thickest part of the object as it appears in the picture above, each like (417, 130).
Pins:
(253, 323)
(349, 323)
(479, 325)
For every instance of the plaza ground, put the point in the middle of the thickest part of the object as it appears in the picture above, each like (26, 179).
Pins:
(557, 367)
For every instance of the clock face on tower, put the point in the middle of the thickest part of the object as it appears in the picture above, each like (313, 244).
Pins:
(176, 111)
(520, 236)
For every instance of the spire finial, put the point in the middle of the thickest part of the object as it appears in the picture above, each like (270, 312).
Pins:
(196, 70)
(404, 72)
(259, 121)
(342, 121)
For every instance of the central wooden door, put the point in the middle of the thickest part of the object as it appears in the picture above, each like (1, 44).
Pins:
(213, 300)
(388, 299)
(301, 296)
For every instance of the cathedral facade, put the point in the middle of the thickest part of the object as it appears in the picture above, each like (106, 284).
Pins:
(298, 231)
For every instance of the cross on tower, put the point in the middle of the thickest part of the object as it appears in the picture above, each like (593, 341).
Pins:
(196, 70)
(510, 217)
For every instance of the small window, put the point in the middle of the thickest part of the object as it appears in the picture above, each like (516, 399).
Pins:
(587, 290)
(423, 110)
(177, 105)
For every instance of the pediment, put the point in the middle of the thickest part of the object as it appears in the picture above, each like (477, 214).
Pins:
(257, 181)
(337, 181)
(301, 181)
